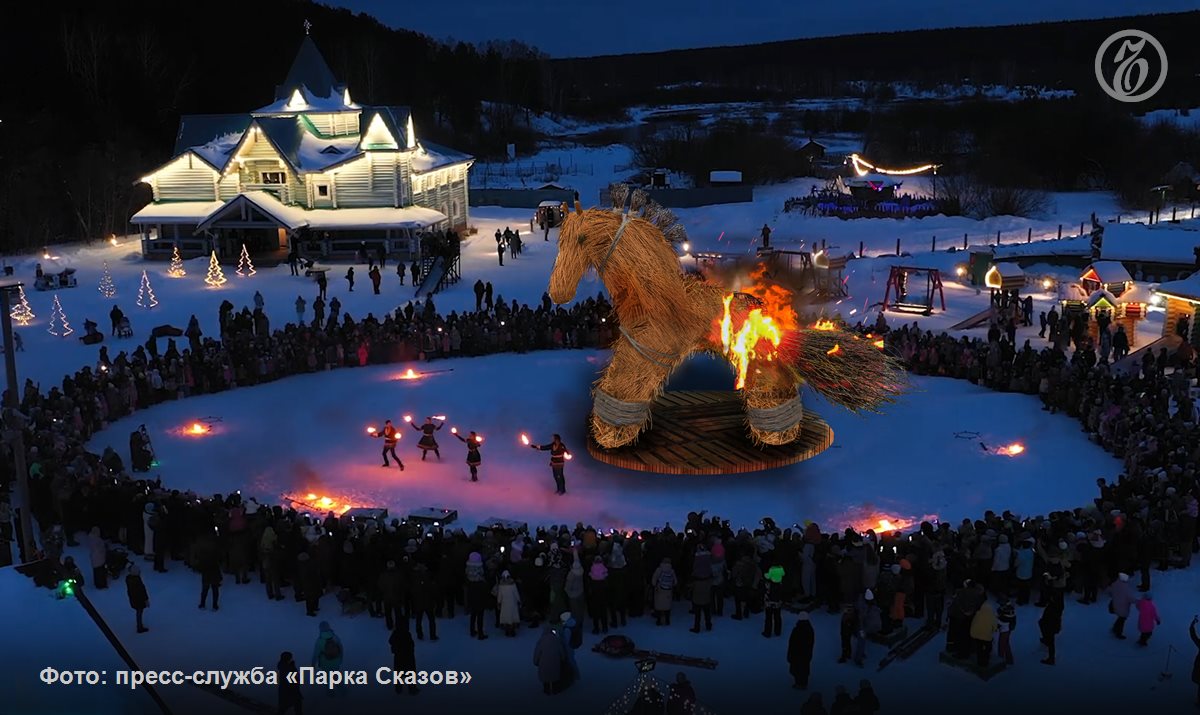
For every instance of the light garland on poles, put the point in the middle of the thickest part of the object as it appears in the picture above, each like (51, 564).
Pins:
(146, 297)
(176, 269)
(21, 312)
(107, 288)
(215, 278)
(863, 167)
(245, 267)
(59, 327)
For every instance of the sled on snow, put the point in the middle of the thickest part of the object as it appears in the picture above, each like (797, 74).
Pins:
(618, 646)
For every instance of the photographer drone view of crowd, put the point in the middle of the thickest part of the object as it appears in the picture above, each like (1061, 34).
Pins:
(968, 578)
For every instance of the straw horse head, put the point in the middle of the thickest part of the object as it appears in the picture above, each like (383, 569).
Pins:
(665, 316)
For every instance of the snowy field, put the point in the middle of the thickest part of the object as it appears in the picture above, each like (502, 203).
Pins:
(308, 433)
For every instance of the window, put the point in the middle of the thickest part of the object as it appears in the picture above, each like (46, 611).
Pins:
(323, 190)
(274, 177)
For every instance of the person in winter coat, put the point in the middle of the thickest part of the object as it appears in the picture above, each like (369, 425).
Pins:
(681, 696)
(718, 577)
(474, 458)
(1051, 621)
(663, 581)
(1122, 600)
(870, 622)
(400, 271)
(702, 588)
(983, 628)
(404, 654)
(376, 278)
(327, 651)
(866, 701)
(301, 304)
(98, 555)
(598, 596)
(843, 704)
(424, 601)
(477, 594)
(289, 689)
(571, 637)
(773, 603)
(350, 278)
(139, 600)
(746, 579)
(508, 603)
(208, 563)
(390, 437)
(813, 706)
(390, 587)
(573, 587)
(1196, 662)
(1006, 623)
(549, 657)
(1148, 618)
(1023, 571)
(800, 651)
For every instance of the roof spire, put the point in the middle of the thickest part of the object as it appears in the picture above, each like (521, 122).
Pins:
(307, 27)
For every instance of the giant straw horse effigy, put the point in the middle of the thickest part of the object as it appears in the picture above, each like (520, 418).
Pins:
(666, 315)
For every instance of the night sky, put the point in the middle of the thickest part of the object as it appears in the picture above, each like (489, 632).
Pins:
(579, 28)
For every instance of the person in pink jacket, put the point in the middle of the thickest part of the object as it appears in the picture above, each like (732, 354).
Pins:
(1147, 619)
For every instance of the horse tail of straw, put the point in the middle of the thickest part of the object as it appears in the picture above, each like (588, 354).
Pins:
(843, 368)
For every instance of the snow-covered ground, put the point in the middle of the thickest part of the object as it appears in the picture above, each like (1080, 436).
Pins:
(308, 433)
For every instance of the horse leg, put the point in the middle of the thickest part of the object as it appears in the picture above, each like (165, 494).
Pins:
(629, 378)
(773, 408)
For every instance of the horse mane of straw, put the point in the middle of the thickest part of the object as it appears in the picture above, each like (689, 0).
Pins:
(642, 206)
(643, 273)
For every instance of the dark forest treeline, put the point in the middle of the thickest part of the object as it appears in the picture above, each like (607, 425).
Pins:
(93, 91)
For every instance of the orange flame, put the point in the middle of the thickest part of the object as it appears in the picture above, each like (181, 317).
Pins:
(825, 325)
(776, 300)
(837, 348)
(524, 440)
(1012, 450)
(316, 502)
(371, 430)
(410, 374)
(878, 343)
(743, 346)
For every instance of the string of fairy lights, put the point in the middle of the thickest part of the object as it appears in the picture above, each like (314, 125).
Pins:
(862, 167)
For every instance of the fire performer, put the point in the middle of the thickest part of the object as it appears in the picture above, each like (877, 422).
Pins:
(390, 438)
(559, 454)
(474, 459)
(428, 442)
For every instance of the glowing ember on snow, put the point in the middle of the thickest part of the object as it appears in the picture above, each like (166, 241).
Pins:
(1011, 450)
(410, 374)
(196, 429)
(747, 343)
(315, 502)
(524, 440)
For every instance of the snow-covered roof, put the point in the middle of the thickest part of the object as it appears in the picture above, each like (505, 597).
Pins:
(295, 217)
(550, 204)
(1078, 246)
(200, 129)
(309, 101)
(309, 70)
(1008, 270)
(1136, 293)
(433, 156)
(176, 212)
(1161, 243)
(1110, 272)
(218, 151)
(1098, 295)
(1185, 288)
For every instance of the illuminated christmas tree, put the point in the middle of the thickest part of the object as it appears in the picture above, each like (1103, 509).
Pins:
(146, 297)
(215, 277)
(107, 289)
(59, 327)
(245, 268)
(21, 312)
(176, 268)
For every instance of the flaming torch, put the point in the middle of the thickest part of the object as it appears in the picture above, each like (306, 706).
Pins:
(372, 431)
(1011, 450)
(408, 418)
(524, 439)
(453, 430)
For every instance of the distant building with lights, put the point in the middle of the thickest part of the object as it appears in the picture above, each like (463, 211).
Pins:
(312, 170)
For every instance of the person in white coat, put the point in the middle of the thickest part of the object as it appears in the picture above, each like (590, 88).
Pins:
(508, 603)
(1002, 559)
(1122, 600)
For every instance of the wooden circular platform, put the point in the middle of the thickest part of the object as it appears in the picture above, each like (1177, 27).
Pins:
(705, 432)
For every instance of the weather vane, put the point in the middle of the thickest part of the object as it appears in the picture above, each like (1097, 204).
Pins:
(307, 26)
